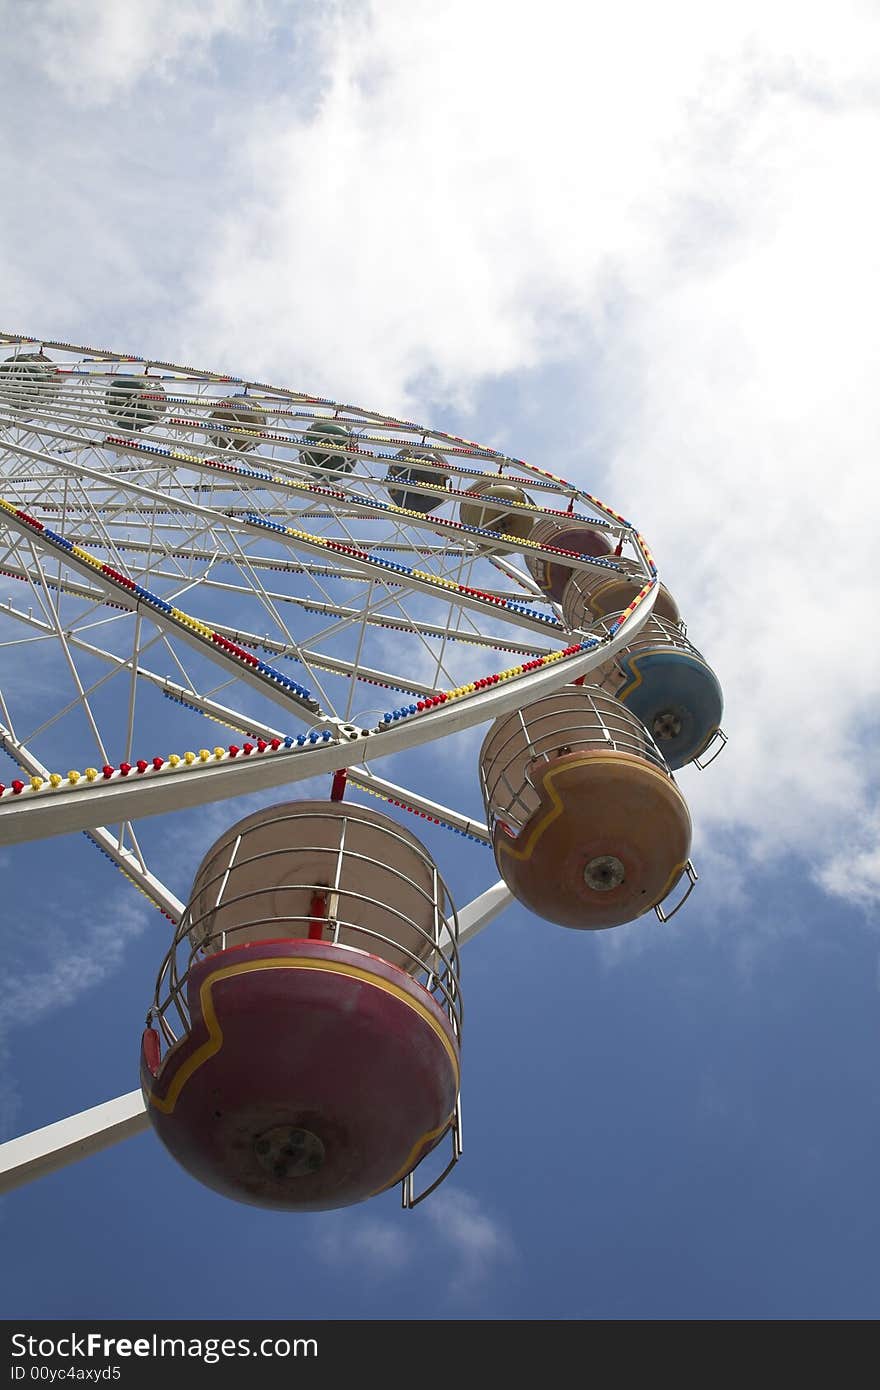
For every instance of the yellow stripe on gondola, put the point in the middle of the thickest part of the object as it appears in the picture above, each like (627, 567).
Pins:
(415, 1154)
(556, 810)
(214, 1041)
(634, 684)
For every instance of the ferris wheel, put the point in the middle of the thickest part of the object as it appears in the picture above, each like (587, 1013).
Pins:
(329, 586)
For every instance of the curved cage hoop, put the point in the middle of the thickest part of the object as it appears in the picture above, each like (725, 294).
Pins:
(693, 878)
(409, 1197)
(720, 738)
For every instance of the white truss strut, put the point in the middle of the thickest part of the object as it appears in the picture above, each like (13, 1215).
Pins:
(47, 1150)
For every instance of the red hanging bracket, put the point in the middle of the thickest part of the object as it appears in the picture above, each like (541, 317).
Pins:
(337, 790)
(151, 1050)
(317, 916)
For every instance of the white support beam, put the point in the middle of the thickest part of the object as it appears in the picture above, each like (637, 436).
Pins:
(367, 780)
(46, 1150)
(478, 914)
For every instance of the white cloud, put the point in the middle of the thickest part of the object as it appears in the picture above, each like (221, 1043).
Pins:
(94, 52)
(367, 1243)
(478, 1241)
(853, 871)
(751, 423)
(470, 1243)
(427, 226)
(75, 962)
(467, 189)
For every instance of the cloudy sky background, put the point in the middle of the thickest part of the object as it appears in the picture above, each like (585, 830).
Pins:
(639, 247)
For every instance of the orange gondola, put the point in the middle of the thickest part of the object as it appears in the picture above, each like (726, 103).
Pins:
(588, 827)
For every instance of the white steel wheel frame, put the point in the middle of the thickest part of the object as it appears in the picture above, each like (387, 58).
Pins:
(244, 561)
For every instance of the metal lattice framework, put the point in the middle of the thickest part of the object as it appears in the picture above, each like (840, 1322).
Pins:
(182, 550)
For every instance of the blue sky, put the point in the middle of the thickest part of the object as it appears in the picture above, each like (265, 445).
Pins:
(650, 264)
